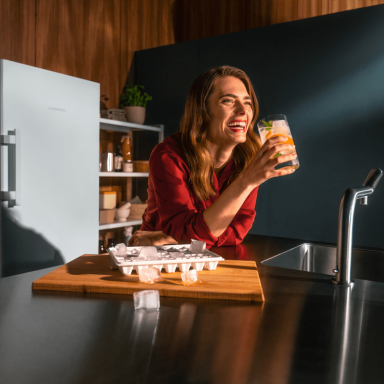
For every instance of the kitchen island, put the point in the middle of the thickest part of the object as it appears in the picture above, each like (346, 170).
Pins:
(307, 331)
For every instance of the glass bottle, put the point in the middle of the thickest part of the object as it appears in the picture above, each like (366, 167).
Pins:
(128, 234)
(126, 148)
(118, 160)
(101, 247)
(111, 243)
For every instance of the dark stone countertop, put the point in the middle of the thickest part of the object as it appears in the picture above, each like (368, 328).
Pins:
(306, 331)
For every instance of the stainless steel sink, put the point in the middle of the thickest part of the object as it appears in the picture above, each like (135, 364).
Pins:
(366, 264)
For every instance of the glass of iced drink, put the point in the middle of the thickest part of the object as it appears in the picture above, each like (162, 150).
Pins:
(277, 125)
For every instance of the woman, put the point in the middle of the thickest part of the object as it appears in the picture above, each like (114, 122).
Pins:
(203, 180)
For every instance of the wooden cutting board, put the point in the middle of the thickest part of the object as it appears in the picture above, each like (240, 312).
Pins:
(232, 280)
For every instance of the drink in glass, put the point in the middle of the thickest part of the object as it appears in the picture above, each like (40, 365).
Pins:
(277, 125)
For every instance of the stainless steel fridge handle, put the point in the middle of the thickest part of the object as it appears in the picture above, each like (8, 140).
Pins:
(12, 141)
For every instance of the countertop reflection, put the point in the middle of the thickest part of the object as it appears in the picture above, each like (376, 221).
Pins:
(306, 331)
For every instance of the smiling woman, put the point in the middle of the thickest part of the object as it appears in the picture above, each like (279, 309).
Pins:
(203, 180)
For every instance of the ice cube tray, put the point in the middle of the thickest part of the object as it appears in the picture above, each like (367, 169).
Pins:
(168, 258)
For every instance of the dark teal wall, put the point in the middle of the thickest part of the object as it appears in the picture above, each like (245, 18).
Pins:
(326, 74)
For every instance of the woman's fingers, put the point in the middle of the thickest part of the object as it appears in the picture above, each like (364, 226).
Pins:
(262, 166)
(274, 141)
(276, 149)
(284, 171)
(275, 160)
(140, 238)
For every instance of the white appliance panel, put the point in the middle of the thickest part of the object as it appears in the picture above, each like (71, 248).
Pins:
(57, 122)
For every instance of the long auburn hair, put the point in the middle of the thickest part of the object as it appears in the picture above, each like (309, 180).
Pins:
(193, 130)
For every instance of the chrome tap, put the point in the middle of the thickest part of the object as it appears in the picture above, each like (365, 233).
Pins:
(345, 225)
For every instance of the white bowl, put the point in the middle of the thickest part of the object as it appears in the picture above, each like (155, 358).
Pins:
(122, 214)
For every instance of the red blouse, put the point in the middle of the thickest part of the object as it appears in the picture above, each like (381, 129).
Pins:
(174, 209)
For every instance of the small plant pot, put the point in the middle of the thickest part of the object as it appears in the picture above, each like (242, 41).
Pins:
(135, 114)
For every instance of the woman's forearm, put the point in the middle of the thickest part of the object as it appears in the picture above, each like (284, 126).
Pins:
(262, 167)
(220, 214)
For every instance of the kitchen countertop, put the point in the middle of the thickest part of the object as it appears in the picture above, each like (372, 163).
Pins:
(306, 331)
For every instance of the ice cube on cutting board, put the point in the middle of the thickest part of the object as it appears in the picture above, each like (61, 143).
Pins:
(190, 277)
(197, 246)
(149, 299)
(149, 275)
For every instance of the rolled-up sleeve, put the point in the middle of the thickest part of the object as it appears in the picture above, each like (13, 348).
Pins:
(176, 203)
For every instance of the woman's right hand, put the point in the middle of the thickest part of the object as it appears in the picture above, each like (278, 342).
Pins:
(142, 238)
(262, 166)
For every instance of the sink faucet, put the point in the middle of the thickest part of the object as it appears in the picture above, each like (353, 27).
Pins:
(345, 225)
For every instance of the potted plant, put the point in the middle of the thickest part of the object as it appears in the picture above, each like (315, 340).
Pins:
(133, 101)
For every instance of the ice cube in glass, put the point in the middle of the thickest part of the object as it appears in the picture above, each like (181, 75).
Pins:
(148, 299)
(197, 246)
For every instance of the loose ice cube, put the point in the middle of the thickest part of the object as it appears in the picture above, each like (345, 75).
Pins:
(149, 275)
(121, 250)
(148, 251)
(190, 277)
(149, 300)
(197, 246)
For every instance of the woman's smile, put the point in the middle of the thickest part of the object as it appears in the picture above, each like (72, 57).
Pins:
(237, 125)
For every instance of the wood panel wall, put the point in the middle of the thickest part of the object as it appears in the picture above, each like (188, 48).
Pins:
(96, 39)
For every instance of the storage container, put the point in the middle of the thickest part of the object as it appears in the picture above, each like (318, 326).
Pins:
(141, 166)
(137, 211)
(107, 216)
(107, 200)
(169, 257)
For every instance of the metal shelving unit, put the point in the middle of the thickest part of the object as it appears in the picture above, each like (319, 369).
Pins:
(119, 224)
(124, 127)
(123, 174)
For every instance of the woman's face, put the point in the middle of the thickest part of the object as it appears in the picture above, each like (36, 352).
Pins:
(230, 111)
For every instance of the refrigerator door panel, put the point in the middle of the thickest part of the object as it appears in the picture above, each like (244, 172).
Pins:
(56, 118)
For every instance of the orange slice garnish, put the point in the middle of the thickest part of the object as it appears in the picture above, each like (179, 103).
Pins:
(269, 135)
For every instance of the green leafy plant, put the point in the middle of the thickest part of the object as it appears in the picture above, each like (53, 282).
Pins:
(133, 96)
(268, 125)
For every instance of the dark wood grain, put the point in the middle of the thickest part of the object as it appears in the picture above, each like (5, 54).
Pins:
(346, 5)
(96, 39)
(260, 13)
(144, 24)
(81, 39)
(17, 31)
(196, 19)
